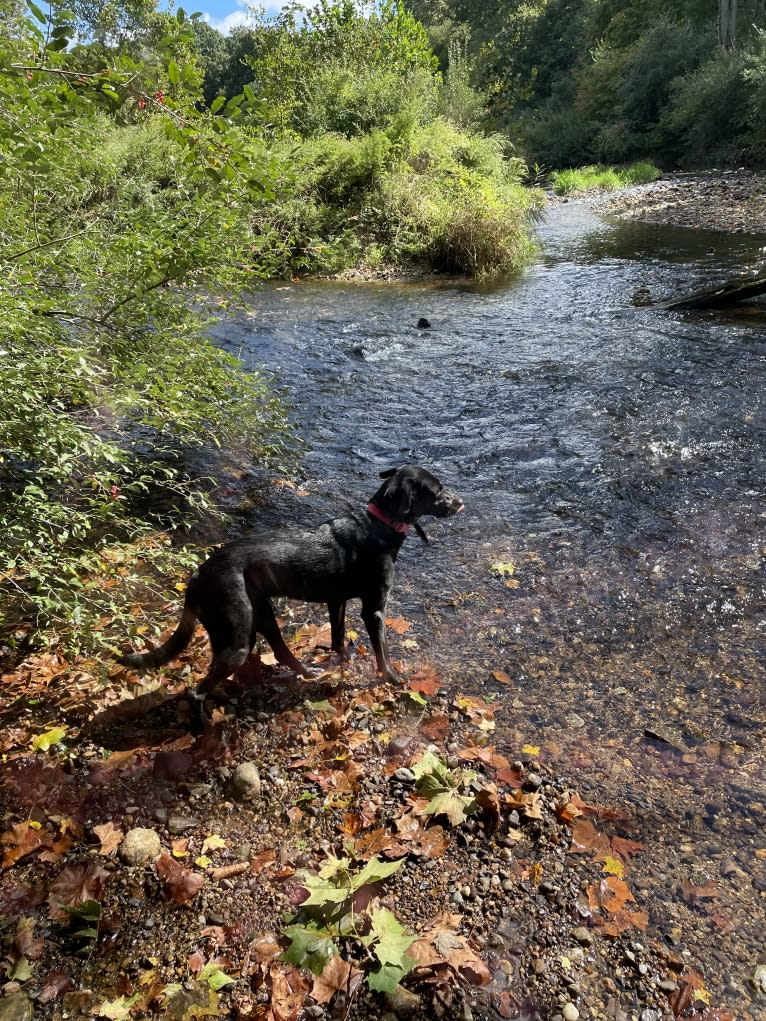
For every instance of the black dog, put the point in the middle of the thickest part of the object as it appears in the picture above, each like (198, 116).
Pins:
(345, 558)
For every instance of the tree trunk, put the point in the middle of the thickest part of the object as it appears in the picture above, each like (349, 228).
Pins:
(727, 22)
(722, 296)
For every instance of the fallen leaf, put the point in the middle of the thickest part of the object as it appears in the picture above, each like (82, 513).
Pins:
(74, 885)
(110, 837)
(338, 975)
(179, 884)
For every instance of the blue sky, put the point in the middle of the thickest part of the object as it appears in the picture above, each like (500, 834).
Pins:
(224, 14)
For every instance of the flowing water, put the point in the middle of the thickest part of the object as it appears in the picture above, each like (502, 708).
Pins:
(613, 458)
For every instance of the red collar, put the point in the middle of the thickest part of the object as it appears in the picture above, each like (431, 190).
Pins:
(398, 526)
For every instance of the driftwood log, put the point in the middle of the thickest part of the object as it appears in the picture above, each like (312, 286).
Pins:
(721, 296)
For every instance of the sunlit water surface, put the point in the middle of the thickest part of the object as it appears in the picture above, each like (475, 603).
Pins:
(614, 455)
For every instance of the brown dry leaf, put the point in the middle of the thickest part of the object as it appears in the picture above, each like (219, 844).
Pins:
(22, 839)
(263, 859)
(585, 837)
(436, 727)
(425, 681)
(695, 895)
(25, 941)
(486, 755)
(179, 884)
(625, 848)
(441, 943)
(379, 841)
(399, 625)
(267, 948)
(196, 962)
(288, 991)
(488, 805)
(56, 984)
(617, 924)
(75, 884)
(611, 894)
(432, 843)
(110, 837)
(502, 677)
(338, 975)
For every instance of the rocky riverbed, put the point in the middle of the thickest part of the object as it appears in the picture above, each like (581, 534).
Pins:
(732, 200)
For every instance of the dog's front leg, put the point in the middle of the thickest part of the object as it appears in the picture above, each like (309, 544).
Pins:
(374, 618)
(337, 611)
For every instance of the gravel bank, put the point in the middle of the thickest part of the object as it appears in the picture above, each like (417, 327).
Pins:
(732, 200)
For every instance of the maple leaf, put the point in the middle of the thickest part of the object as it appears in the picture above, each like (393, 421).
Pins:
(502, 677)
(119, 1009)
(398, 625)
(179, 884)
(610, 894)
(442, 943)
(22, 839)
(44, 742)
(25, 941)
(389, 942)
(110, 837)
(436, 727)
(288, 991)
(338, 975)
(75, 885)
(311, 946)
(56, 984)
(613, 866)
(425, 681)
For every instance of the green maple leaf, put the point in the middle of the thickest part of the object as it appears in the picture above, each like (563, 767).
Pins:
(456, 806)
(386, 979)
(389, 942)
(310, 948)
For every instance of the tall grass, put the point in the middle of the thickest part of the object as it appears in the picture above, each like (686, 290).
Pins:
(602, 178)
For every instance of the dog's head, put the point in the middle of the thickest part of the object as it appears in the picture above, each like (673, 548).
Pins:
(410, 492)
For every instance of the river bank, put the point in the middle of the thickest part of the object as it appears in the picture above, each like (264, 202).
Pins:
(730, 200)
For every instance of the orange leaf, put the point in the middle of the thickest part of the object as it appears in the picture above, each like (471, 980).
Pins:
(425, 681)
(398, 625)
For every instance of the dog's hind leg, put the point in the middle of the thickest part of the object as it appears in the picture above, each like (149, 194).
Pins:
(265, 623)
(229, 625)
(337, 611)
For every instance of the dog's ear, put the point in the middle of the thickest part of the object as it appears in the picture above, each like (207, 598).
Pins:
(388, 473)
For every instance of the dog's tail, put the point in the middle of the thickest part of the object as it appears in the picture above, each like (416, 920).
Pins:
(168, 650)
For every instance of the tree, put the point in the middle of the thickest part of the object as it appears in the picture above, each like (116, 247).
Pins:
(727, 22)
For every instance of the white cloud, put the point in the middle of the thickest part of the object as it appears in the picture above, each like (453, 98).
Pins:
(225, 24)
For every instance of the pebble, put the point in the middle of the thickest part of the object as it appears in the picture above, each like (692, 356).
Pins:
(569, 1012)
(140, 845)
(404, 775)
(245, 783)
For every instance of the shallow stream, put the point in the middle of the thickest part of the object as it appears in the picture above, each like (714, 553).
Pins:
(612, 457)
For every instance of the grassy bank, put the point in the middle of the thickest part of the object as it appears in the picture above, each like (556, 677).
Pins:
(602, 178)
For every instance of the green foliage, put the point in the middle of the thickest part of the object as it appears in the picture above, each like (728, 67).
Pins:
(601, 178)
(444, 789)
(574, 81)
(114, 407)
(329, 913)
(426, 194)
